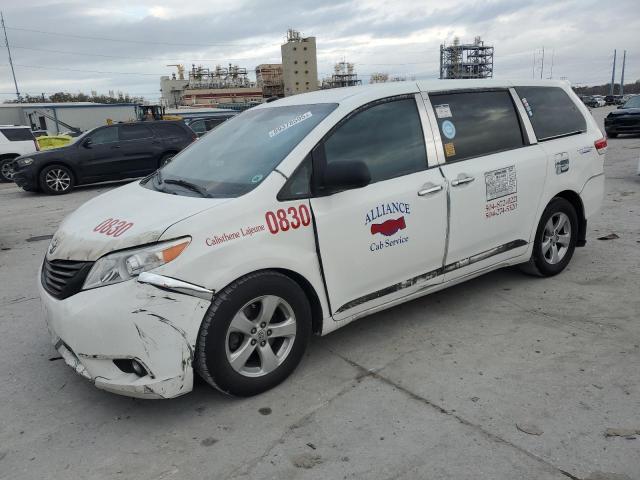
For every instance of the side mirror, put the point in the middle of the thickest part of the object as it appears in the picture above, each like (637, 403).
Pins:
(346, 175)
(87, 143)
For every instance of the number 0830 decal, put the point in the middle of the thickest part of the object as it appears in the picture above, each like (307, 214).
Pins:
(113, 227)
(282, 220)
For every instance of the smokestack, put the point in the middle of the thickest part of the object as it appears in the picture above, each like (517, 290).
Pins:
(613, 73)
(624, 60)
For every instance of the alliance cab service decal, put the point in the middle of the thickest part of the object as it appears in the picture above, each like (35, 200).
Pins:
(387, 220)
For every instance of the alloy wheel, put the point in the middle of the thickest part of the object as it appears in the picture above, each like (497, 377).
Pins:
(57, 180)
(7, 170)
(556, 238)
(260, 336)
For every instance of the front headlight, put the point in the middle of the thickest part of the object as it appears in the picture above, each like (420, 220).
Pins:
(23, 162)
(120, 266)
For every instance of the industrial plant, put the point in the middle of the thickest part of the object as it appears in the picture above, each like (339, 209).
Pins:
(472, 60)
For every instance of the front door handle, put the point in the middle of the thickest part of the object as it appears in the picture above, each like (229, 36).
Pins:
(462, 179)
(428, 189)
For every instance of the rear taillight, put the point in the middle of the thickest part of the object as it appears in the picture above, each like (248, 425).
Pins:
(601, 145)
(37, 145)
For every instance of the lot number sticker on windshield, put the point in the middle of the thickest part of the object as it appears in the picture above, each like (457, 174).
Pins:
(289, 124)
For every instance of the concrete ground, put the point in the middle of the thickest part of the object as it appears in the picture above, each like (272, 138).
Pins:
(504, 377)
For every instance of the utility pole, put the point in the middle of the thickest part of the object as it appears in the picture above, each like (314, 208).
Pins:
(542, 67)
(624, 60)
(533, 66)
(6, 42)
(553, 53)
(613, 73)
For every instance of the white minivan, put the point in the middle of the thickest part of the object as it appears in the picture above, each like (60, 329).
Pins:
(300, 215)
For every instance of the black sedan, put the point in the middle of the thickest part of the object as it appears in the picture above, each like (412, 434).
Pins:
(626, 119)
(112, 152)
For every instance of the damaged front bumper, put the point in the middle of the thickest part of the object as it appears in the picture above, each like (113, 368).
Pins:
(99, 331)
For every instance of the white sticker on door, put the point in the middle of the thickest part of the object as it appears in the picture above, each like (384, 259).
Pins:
(443, 111)
(501, 182)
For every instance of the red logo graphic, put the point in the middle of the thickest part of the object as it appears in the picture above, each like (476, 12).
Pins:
(389, 227)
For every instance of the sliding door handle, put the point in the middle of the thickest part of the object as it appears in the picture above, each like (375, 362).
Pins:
(462, 179)
(429, 189)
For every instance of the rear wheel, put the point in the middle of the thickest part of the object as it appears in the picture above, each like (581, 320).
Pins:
(555, 239)
(56, 180)
(254, 334)
(6, 170)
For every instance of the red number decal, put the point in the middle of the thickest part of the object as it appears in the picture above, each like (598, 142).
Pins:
(283, 222)
(113, 227)
(304, 215)
(296, 222)
(272, 223)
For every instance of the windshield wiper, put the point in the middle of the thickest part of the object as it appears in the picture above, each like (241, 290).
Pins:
(188, 185)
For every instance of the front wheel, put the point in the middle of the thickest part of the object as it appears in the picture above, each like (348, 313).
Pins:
(6, 170)
(56, 180)
(555, 239)
(254, 334)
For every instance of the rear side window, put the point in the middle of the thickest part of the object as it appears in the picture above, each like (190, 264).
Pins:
(388, 137)
(473, 124)
(169, 130)
(134, 132)
(552, 112)
(17, 134)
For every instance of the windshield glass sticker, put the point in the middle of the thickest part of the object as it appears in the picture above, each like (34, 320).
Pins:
(448, 129)
(256, 178)
(527, 107)
(443, 111)
(501, 182)
(449, 149)
(388, 220)
(289, 124)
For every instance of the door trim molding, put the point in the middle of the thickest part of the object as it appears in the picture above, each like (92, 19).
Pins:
(505, 247)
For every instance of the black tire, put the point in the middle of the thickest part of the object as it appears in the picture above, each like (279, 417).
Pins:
(540, 264)
(166, 158)
(6, 170)
(50, 173)
(212, 360)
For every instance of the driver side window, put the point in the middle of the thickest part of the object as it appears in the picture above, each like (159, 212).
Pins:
(105, 135)
(387, 137)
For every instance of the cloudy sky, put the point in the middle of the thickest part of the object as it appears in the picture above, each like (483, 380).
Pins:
(125, 45)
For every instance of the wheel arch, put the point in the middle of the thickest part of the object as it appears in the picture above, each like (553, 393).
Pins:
(574, 199)
(307, 288)
(5, 156)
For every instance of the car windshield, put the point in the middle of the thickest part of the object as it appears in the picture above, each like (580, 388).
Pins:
(81, 136)
(633, 102)
(235, 157)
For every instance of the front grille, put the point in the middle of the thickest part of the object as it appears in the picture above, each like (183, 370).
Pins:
(63, 278)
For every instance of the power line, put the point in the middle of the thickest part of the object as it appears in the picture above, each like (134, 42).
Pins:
(154, 42)
(88, 71)
(126, 57)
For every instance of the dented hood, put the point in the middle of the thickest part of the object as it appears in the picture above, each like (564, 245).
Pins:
(125, 217)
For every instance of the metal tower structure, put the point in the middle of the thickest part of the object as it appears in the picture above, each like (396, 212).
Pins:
(473, 60)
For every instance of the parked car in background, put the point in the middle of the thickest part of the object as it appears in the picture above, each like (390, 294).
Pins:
(591, 101)
(614, 100)
(626, 119)
(304, 214)
(15, 140)
(204, 124)
(112, 152)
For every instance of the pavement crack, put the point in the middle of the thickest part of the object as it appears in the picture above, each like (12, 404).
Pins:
(425, 401)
